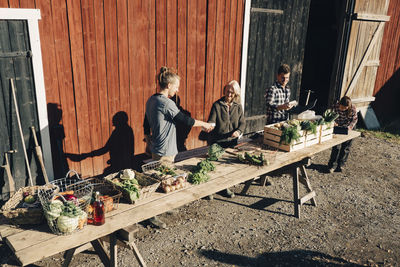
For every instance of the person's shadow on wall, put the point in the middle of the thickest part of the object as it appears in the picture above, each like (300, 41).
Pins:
(120, 146)
(57, 136)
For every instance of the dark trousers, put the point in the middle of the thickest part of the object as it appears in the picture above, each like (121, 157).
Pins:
(339, 154)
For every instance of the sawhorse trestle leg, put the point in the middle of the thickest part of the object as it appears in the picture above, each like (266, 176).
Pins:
(122, 238)
(298, 201)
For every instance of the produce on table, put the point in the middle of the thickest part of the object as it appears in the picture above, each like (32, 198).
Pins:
(215, 151)
(309, 126)
(253, 159)
(66, 217)
(129, 185)
(173, 183)
(289, 134)
(165, 170)
(67, 224)
(200, 171)
(198, 177)
(329, 116)
(205, 165)
(29, 199)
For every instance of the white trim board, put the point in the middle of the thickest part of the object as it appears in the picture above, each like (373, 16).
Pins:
(19, 14)
(32, 16)
(245, 42)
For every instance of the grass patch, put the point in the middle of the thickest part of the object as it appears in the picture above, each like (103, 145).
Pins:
(381, 134)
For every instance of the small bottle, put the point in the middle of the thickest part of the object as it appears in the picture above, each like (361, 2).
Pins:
(98, 211)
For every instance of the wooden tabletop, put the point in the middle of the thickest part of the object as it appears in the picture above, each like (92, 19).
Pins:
(31, 245)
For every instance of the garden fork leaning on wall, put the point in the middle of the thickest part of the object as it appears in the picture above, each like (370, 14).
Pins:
(8, 171)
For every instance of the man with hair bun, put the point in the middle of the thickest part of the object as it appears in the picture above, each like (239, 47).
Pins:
(161, 117)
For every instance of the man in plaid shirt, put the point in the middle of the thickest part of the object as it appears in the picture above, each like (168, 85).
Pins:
(277, 97)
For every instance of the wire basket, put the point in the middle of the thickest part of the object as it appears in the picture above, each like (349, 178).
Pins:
(169, 182)
(151, 166)
(109, 194)
(66, 194)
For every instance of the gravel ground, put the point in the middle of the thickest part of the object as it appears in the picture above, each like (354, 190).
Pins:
(356, 221)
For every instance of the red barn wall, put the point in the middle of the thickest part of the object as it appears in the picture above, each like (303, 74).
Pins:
(102, 56)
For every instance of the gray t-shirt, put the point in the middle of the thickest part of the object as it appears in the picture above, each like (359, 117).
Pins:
(160, 112)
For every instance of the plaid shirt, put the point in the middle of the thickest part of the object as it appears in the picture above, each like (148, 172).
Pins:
(343, 120)
(274, 96)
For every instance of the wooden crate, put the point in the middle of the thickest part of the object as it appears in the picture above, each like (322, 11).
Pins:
(326, 132)
(272, 137)
(312, 139)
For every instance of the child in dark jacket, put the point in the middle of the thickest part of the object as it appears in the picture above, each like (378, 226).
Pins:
(347, 118)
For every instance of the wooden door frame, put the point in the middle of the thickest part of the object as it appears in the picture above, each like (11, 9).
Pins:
(32, 16)
(245, 48)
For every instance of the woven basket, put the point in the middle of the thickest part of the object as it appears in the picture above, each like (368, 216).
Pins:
(148, 185)
(16, 213)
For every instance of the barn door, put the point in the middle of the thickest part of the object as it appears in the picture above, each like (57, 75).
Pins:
(16, 63)
(276, 35)
(362, 59)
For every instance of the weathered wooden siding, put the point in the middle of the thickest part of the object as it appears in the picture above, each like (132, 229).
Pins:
(361, 64)
(387, 83)
(277, 35)
(102, 56)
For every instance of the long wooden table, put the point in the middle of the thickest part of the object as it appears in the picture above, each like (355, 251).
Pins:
(31, 245)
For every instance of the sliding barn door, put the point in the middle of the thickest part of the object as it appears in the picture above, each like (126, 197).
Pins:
(16, 63)
(362, 58)
(277, 35)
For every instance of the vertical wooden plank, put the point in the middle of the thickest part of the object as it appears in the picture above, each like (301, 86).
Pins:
(226, 39)
(89, 40)
(4, 3)
(152, 17)
(219, 49)
(200, 65)
(13, 3)
(238, 40)
(123, 59)
(172, 32)
(149, 12)
(64, 70)
(79, 76)
(252, 50)
(48, 52)
(182, 31)
(232, 36)
(111, 40)
(191, 65)
(161, 36)
(135, 19)
(27, 3)
(102, 84)
(211, 42)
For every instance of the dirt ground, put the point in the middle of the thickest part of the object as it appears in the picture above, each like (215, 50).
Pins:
(356, 221)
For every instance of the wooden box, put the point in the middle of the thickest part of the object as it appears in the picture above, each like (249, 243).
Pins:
(312, 139)
(272, 137)
(326, 132)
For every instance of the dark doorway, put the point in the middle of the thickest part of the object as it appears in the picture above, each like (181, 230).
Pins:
(323, 57)
(16, 64)
(277, 35)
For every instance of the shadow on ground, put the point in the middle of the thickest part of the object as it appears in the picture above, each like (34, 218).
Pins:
(285, 258)
(321, 168)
